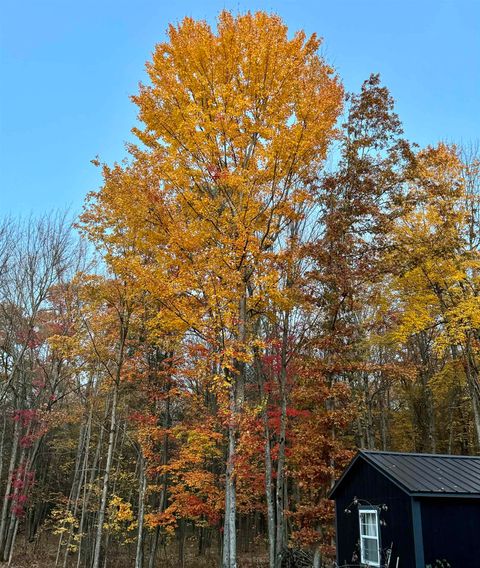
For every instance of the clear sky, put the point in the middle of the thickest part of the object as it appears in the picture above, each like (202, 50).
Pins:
(67, 68)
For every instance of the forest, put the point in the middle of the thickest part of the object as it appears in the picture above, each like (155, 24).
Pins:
(271, 279)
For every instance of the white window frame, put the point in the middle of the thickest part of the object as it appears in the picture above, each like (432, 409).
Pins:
(374, 511)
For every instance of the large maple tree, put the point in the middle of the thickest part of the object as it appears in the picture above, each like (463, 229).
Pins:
(235, 124)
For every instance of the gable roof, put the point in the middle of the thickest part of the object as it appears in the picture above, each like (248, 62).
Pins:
(424, 474)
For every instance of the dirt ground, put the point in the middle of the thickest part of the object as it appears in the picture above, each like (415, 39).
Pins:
(42, 555)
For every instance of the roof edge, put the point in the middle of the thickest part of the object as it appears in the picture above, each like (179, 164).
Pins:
(344, 473)
(419, 454)
(365, 455)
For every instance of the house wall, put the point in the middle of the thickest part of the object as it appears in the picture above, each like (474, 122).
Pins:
(451, 531)
(366, 483)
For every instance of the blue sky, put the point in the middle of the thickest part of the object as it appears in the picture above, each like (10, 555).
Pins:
(67, 69)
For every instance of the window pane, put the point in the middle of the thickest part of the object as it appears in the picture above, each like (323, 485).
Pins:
(370, 550)
(368, 524)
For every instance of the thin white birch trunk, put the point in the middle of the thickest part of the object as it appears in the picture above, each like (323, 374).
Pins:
(280, 539)
(106, 478)
(87, 492)
(142, 487)
(8, 487)
(268, 465)
(229, 531)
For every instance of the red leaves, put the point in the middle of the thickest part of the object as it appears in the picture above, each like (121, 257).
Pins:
(322, 408)
(216, 173)
(23, 480)
(25, 417)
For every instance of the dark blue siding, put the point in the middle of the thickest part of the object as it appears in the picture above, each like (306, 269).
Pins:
(368, 484)
(451, 531)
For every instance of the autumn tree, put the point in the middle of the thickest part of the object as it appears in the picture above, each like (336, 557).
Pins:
(321, 416)
(435, 262)
(253, 317)
(236, 124)
(38, 256)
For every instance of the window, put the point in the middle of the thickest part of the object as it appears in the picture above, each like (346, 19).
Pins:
(369, 537)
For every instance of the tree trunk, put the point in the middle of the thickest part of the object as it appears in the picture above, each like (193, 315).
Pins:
(163, 496)
(20, 478)
(181, 544)
(236, 396)
(14, 536)
(268, 466)
(106, 478)
(472, 373)
(8, 487)
(73, 495)
(142, 487)
(229, 530)
(87, 488)
(269, 495)
(280, 539)
(2, 443)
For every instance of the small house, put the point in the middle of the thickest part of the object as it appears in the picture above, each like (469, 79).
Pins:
(404, 510)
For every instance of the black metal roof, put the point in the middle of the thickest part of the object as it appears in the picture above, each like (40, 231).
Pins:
(425, 474)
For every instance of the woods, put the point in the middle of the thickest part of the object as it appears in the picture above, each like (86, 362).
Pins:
(273, 278)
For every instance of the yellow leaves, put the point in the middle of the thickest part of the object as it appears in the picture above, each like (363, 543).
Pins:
(436, 284)
(450, 378)
(466, 314)
(120, 519)
(64, 523)
(121, 510)
(235, 126)
(414, 319)
(198, 444)
(163, 323)
(437, 294)
(239, 99)
(462, 319)
(63, 345)
(64, 520)
(237, 122)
